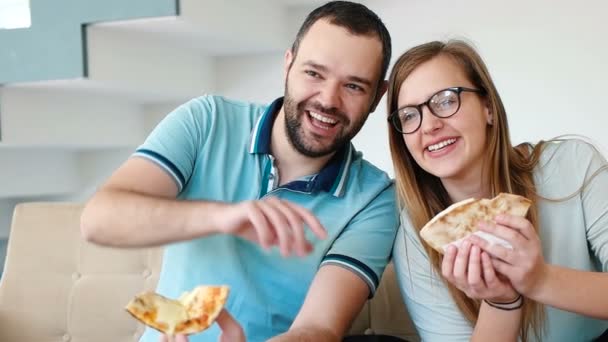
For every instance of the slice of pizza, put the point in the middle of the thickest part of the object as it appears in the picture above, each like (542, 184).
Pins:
(458, 221)
(193, 312)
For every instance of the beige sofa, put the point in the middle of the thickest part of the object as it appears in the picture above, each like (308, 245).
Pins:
(57, 287)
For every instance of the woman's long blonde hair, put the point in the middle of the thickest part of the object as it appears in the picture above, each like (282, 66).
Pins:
(506, 168)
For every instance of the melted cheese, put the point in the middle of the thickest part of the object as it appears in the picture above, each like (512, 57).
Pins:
(171, 313)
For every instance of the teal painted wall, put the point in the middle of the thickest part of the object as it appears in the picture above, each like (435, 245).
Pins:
(53, 47)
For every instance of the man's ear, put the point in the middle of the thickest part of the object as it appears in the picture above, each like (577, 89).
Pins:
(289, 56)
(379, 93)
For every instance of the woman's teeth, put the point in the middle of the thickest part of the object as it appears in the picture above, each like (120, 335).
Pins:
(441, 145)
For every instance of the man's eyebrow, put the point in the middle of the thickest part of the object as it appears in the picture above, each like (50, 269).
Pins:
(361, 80)
(323, 68)
(316, 66)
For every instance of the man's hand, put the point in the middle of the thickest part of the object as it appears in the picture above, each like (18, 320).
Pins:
(231, 330)
(177, 338)
(272, 221)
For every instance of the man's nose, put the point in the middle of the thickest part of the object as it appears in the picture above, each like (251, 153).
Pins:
(430, 122)
(330, 95)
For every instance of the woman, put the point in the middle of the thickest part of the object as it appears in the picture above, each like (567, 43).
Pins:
(449, 141)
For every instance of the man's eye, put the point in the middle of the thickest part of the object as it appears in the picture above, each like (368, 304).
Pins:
(312, 73)
(354, 87)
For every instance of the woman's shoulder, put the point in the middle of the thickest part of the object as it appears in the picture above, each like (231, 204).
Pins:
(566, 163)
(573, 152)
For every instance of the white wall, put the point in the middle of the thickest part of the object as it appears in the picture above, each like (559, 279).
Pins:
(6, 214)
(95, 168)
(43, 115)
(547, 59)
(257, 78)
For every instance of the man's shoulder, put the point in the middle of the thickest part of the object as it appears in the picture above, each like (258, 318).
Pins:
(369, 171)
(366, 177)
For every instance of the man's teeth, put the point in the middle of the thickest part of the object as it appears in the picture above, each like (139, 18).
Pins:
(322, 118)
(441, 145)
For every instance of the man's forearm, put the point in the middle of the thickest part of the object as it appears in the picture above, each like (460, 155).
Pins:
(127, 219)
(305, 334)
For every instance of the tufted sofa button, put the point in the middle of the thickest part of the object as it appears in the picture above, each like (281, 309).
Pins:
(368, 331)
(66, 337)
(75, 276)
(146, 273)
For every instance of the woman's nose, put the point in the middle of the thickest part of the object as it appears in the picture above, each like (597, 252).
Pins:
(430, 122)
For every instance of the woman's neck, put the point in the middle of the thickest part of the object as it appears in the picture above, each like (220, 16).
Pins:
(472, 185)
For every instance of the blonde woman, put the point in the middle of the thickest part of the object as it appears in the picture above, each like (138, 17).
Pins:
(449, 141)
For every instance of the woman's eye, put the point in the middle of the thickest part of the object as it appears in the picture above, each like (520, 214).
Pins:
(446, 103)
(409, 117)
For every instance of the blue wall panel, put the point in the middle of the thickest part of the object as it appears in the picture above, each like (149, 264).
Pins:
(53, 47)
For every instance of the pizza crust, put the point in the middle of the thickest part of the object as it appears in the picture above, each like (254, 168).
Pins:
(458, 221)
(193, 312)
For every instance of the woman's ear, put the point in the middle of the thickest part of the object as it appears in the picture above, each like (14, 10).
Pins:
(488, 112)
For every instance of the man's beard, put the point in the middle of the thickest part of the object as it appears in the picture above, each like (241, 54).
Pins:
(294, 115)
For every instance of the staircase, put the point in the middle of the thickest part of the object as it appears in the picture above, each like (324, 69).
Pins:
(85, 84)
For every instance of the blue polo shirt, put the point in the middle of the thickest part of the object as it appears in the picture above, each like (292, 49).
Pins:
(217, 149)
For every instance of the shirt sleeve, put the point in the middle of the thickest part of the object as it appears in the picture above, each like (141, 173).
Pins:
(175, 142)
(364, 246)
(427, 299)
(594, 196)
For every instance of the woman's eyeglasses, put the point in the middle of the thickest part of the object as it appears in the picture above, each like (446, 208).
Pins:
(442, 104)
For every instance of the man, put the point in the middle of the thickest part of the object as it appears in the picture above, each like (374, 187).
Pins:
(236, 189)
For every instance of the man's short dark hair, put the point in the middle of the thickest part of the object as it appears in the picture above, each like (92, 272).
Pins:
(354, 17)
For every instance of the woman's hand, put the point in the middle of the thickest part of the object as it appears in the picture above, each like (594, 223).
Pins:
(524, 264)
(471, 271)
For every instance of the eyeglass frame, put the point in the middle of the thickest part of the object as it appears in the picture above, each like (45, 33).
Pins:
(457, 90)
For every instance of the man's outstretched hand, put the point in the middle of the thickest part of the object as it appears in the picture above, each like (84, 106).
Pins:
(271, 222)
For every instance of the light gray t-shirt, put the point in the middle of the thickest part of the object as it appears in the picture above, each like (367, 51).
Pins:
(574, 234)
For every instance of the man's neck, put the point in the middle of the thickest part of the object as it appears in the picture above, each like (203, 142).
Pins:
(291, 163)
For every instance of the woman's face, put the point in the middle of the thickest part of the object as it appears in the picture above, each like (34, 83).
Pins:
(450, 148)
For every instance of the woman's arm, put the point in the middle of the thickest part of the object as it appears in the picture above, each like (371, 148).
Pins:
(430, 305)
(472, 272)
(577, 291)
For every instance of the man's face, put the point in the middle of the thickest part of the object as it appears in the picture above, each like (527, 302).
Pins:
(330, 88)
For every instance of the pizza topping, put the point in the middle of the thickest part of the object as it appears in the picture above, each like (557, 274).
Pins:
(194, 312)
